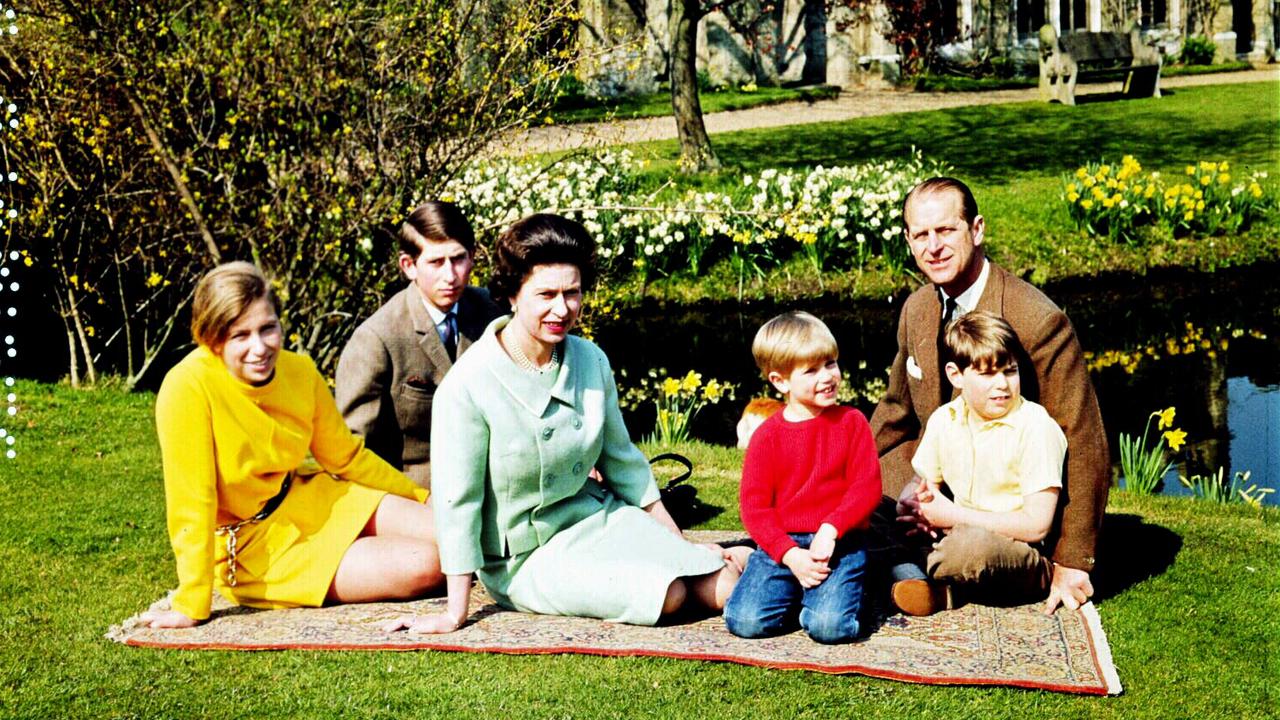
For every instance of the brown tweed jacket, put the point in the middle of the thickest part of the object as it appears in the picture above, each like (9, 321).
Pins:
(1054, 374)
(389, 371)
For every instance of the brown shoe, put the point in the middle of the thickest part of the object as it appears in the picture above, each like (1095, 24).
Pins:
(921, 597)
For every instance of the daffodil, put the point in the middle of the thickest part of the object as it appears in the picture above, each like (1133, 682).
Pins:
(1166, 417)
(692, 381)
(1175, 438)
(670, 386)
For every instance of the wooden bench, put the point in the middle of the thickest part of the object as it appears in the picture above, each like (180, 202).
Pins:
(1096, 56)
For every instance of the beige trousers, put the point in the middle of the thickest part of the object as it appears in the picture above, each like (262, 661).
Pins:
(998, 569)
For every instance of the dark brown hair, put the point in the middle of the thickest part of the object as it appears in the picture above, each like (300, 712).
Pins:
(435, 221)
(541, 239)
(982, 340)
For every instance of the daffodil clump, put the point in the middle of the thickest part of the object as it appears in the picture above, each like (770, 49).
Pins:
(1144, 468)
(838, 217)
(1116, 201)
(677, 400)
(1216, 488)
(1192, 340)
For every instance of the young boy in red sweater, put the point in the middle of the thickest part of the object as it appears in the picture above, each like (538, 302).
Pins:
(809, 483)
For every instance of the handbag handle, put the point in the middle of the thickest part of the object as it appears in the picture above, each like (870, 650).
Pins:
(674, 457)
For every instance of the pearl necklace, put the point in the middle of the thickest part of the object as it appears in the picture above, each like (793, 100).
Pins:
(526, 364)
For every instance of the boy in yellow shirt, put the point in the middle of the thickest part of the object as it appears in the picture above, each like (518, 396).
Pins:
(999, 458)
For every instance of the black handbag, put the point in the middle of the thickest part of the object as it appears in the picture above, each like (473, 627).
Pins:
(679, 497)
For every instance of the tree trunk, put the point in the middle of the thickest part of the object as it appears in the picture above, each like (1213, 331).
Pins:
(696, 154)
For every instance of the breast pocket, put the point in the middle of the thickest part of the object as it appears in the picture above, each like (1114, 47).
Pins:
(413, 409)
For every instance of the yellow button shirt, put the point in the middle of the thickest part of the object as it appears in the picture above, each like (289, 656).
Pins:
(991, 465)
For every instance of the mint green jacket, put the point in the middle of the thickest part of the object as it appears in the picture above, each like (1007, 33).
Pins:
(510, 452)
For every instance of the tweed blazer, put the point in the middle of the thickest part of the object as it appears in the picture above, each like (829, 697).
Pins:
(511, 451)
(1054, 374)
(389, 371)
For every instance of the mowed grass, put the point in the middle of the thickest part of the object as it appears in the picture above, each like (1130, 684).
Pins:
(1014, 156)
(83, 545)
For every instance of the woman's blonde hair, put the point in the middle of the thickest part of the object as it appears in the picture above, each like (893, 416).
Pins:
(791, 339)
(222, 296)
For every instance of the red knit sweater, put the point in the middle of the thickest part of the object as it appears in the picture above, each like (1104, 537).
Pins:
(799, 475)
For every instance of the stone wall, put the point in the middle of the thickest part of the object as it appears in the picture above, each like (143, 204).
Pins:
(797, 43)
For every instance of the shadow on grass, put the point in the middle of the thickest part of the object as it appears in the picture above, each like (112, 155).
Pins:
(1130, 551)
(999, 143)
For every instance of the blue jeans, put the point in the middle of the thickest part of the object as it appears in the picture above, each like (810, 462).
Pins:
(769, 600)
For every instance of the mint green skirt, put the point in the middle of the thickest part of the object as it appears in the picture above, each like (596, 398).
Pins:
(615, 565)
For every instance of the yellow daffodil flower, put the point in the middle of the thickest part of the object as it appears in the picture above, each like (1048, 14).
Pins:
(1166, 417)
(692, 381)
(670, 386)
(1176, 439)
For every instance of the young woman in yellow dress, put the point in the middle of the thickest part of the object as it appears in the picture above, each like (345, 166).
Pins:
(270, 499)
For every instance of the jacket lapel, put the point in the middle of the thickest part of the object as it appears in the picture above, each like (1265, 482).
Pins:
(428, 338)
(925, 350)
(471, 319)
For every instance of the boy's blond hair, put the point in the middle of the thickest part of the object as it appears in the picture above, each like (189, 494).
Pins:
(981, 339)
(791, 339)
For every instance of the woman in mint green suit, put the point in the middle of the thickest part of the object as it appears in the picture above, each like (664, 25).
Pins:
(516, 428)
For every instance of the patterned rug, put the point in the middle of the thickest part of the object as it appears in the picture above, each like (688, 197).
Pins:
(974, 645)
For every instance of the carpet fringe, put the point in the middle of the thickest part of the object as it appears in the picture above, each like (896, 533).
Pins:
(1102, 648)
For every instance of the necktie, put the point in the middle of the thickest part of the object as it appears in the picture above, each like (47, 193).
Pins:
(449, 335)
(948, 312)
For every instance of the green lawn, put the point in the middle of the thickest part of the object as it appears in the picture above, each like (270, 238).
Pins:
(83, 545)
(1014, 156)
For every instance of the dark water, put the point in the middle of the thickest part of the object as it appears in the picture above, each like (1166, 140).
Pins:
(1208, 345)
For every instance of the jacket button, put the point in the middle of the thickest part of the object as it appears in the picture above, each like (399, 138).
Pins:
(577, 423)
(577, 468)
(546, 433)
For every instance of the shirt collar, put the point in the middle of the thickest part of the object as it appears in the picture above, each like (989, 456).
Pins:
(968, 300)
(960, 412)
(437, 316)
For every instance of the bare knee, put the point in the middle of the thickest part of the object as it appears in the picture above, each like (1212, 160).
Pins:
(422, 570)
(677, 593)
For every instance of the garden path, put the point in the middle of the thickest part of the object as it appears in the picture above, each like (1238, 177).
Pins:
(851, 103)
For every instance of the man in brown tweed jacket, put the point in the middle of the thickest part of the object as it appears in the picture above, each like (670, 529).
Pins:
(389, 370)
(945, 233)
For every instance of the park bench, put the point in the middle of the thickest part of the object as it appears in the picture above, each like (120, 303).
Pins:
(1077, 56)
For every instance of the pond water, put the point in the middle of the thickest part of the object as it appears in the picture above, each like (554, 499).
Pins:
(1208, 345)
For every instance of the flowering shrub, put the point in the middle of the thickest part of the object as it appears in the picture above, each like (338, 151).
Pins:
(1118, 201)
(838, 217)
(677, 401)
(1144, 468)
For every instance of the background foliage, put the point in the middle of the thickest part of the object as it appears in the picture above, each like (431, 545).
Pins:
(160, 138)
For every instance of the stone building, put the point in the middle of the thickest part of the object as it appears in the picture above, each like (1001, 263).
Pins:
(804, 42)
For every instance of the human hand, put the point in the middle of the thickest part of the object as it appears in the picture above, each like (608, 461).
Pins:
(824, 543)
(595, 475)
(908, 510)
(737, 556)
(935, 508)
(808, 571)
(435, 624)
(1070, 587)
(166, 619)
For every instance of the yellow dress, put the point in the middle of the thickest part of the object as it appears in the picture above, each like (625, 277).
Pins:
(227, 447)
